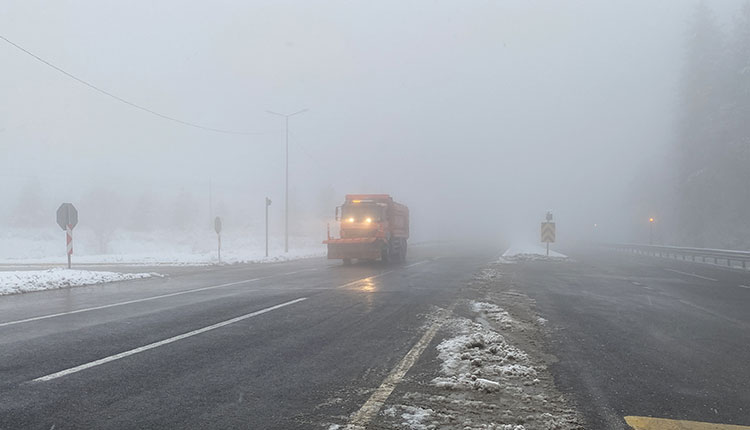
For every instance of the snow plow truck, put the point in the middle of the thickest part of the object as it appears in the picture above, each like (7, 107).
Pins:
(372, 227)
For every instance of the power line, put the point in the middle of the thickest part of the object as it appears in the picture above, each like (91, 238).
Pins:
(122, 100)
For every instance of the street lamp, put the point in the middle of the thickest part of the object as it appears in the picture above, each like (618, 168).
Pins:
(651, 231)
(286, 181)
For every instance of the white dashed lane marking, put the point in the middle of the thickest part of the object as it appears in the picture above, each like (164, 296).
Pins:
(693, 275)
(134, 351)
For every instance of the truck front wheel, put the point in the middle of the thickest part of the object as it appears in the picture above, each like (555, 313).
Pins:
(385, 254)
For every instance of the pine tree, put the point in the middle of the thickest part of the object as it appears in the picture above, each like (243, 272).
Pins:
(699, 130)
(735, 166)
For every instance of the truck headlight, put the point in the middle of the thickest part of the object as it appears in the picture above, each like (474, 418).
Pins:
(351, 220)
(368, 220)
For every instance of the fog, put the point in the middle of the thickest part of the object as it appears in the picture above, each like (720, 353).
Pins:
(480, 116)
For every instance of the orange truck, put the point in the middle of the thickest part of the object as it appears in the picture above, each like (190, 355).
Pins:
(373, 227)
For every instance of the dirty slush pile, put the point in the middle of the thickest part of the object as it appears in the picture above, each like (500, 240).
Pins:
(492, 370)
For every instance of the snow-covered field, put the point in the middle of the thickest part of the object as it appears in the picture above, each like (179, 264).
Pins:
(35, 246)
(12, 282)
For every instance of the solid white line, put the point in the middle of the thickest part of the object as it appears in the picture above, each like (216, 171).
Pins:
(145, 299)
(372, 406)
(299, 271)
(744, 286)
(693, 275)
(161, 342)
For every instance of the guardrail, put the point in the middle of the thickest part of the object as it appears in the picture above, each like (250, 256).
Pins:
(724, 257)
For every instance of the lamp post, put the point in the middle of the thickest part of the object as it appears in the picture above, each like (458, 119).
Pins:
(651, 231)
(286, 180)
(268, 203)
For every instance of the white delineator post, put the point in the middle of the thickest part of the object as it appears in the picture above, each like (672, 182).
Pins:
(69, 241)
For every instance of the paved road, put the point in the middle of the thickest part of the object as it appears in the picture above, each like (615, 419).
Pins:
(646, 336)
(304, 344)
(265, 347)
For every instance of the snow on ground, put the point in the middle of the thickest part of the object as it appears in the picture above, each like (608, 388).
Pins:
(35, 246)
(479, 358)
(413, 417)
(175, 259)
(530, 252)
(496, 313)
(12, 282)
(487, 274)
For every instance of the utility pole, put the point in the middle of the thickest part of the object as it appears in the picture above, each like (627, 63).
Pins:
(268, 203)
(210, 201)
(286, 175)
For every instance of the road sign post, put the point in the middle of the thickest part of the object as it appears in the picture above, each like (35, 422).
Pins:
(268, 203)
(67, 219)
(548, 233)
(217, 227)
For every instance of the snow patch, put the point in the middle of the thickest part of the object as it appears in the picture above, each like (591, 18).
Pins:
(487, 275)
(415, 416)
(479, 358)
(531, 252)
(495, 313)
(12, 282)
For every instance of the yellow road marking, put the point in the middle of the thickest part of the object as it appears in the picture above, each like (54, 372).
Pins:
(648, 423)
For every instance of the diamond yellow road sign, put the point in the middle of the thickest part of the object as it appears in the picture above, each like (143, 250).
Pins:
(649, 423)
(548, 232)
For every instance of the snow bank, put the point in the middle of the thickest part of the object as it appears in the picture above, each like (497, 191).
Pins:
(479, 358)
(496, 313)
(414, 417)
(531, 252)
(37, 280)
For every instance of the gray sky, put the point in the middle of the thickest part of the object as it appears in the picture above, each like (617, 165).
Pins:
(480, 115)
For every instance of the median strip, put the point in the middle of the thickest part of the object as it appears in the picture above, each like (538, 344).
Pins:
(134, 351)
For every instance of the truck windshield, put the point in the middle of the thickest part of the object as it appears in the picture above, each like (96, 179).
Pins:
(360, 212)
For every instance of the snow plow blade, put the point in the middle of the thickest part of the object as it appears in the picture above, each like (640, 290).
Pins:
(360, 248)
